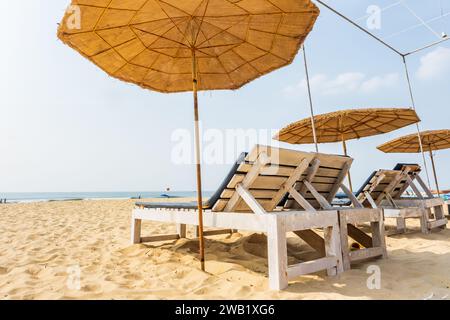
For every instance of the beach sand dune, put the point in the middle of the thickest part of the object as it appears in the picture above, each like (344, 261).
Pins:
(81, 250)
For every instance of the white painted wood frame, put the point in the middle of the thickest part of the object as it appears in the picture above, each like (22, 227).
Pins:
(275, 224)
(374, 245)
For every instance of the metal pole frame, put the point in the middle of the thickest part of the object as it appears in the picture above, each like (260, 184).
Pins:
(446, 38)
(403, 56)
(408, 79)
(435, 173)
(311, 107)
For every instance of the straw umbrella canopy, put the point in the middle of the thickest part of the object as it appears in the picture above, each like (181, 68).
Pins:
(179, 45)
(341, 126)
(432, 140)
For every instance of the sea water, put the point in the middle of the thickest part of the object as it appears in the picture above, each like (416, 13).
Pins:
(65, 196)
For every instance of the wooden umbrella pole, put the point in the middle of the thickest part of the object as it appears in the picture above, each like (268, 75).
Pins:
(434, 172)
(198, 162)
(344, 144)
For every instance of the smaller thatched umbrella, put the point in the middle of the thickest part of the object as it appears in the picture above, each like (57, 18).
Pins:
(341, 126)
(431, 141)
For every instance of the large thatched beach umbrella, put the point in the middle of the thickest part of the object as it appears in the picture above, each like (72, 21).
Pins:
(431, 141)
(189, 45)
(341, 126)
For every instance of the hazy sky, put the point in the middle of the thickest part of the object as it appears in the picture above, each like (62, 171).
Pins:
(67, 126)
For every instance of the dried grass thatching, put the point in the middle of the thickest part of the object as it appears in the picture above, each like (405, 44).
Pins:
(431, 141)
(151, 42)
(348, 124)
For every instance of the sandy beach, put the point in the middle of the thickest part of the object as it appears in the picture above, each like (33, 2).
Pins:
(41, 244)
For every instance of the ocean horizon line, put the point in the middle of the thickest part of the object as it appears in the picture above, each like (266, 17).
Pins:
(19, 197)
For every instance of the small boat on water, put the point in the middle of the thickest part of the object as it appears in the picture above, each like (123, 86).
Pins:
(168, 196)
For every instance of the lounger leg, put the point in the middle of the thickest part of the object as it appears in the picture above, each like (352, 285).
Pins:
(378, 235)
(401, 225)
(196, 232)
(136, 230)
(344, 242)
(424, 218)
(277, 254)
(439, 215)
(333, 248)
(181, 230)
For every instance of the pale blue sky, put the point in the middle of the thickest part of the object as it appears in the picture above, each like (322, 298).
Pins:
(67, 126)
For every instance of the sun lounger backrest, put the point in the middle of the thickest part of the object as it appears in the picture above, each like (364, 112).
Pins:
(376, 185)
(364, 187)
(265, 174)
(223, 186)
(326, 174)
(387, 183)
(413, 171)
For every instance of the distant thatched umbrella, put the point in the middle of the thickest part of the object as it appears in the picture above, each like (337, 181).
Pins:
(341, 126)
(190, 45)
(431, 141)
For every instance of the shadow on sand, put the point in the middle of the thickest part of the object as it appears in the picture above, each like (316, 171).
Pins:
(408, 273)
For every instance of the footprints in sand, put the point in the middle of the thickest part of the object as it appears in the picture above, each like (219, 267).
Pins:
(45, 259)
(34, 270)
(32, 237)
(91, 287)
(40, 243)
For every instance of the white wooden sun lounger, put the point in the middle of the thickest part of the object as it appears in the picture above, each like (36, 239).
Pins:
(386, 189)
(316, 191)
(248, 200)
